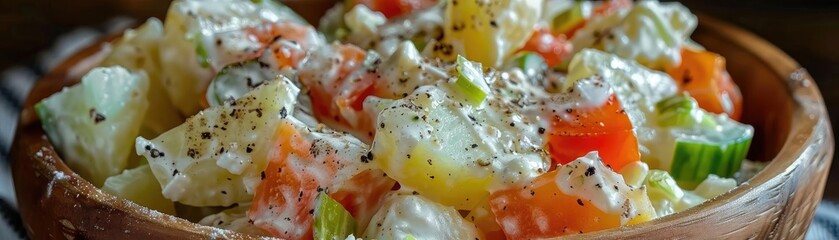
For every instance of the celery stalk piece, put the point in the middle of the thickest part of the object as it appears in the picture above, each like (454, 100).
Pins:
(332, 221)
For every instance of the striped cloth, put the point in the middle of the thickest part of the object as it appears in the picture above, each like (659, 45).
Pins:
(15, 83)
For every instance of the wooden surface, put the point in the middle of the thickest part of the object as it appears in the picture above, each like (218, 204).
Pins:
(781, 101)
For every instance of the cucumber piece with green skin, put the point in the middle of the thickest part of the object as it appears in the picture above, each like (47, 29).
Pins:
(93, 124)
(701, 143)
(332, 220)
(216, 157)
(139, 186)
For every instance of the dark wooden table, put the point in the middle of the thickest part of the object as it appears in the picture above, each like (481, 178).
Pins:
(807, 30)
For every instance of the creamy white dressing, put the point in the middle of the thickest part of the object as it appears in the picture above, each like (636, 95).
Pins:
(387, 36)
(403, 215)
(589, 179)
(210, 159)
(492, 139)
(652, 33)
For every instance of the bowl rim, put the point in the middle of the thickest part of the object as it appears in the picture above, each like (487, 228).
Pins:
(808, 114)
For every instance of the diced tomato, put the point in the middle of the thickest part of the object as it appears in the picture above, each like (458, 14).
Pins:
(393, 8)
(542, 210)
(606, 129)
(285, 199)
(552, 48)
(703, 75)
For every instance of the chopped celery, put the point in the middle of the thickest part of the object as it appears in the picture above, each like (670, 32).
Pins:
(571, 18)
(531, 63)
(410, 237)
(660, 185)
(200, 51)
(332, 221)
(470, 81)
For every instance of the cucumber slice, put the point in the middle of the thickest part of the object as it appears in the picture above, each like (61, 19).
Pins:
(92, 124)
(216, 157)
(470, 83)
(699, 153)
(332, 221)
(139, 186)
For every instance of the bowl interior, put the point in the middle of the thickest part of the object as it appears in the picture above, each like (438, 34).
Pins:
(761, 71)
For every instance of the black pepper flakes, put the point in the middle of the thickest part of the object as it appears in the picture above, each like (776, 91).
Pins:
(97, 117)
(589, 171)
(580, 202)
(283, 113)
(206, 135)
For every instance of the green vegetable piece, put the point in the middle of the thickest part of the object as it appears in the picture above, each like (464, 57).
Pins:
(470, 81)
(332, 221)
(683, 111)
(694, 161)
(566, 21)
(660, 185)
(200, 51)
(410, 237)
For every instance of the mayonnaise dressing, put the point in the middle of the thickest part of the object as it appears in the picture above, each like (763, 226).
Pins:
(404, 215)
(589, 179)
(652, 33)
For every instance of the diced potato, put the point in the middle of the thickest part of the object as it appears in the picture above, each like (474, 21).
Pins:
(487, 31)
(405, 216)
(215, 158)
(139, 50)
(92, 124)
(139, 186)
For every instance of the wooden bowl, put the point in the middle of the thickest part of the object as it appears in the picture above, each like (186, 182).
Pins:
(781, 100)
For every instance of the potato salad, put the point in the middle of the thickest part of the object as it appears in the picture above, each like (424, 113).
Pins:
(408, 119)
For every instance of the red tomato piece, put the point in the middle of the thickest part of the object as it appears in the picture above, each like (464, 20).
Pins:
(285, 199)
(554, 49)
(393, 8)
(703, 75)
(542, 210)
(606, 129)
